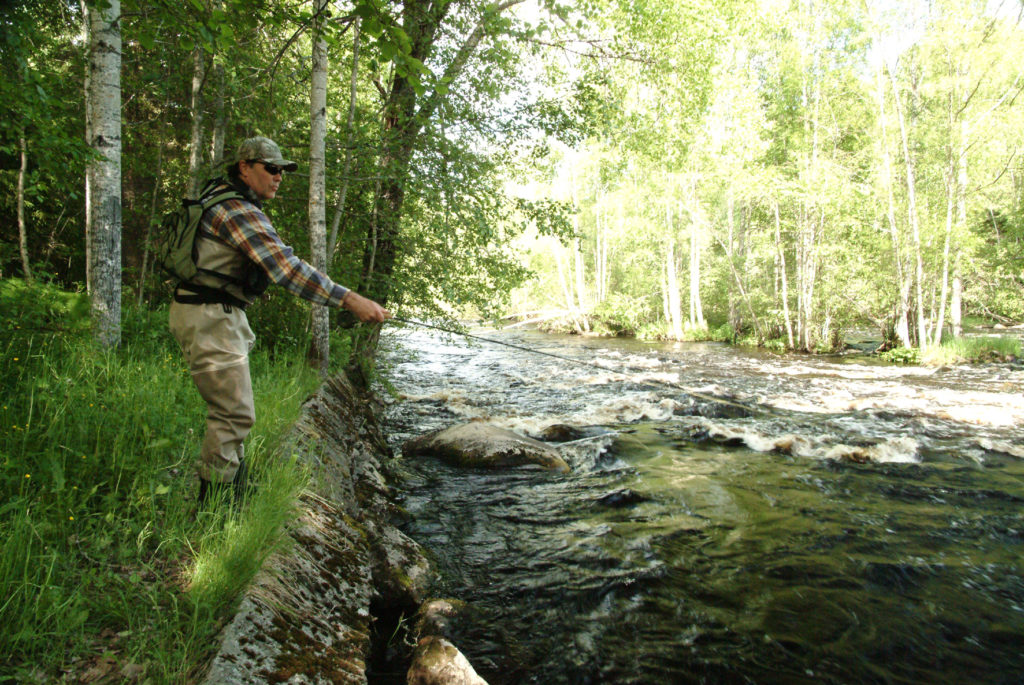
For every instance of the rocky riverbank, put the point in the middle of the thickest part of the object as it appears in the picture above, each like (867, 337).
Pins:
(308, 618)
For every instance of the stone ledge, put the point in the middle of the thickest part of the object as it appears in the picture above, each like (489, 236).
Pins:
(306, 618)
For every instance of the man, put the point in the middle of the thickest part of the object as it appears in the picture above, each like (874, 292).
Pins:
(239, 254)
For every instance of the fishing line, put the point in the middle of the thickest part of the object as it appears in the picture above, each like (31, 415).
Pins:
(579, 362)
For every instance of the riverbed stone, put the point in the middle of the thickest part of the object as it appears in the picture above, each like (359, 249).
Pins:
(436, 661)
(482, 445)
(437, 616)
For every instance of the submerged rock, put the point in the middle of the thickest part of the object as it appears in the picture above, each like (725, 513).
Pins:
(560, 432)
(484, 446)
(436, 617)
(625, 497)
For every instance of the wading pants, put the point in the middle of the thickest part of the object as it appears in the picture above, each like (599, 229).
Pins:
(216, 340)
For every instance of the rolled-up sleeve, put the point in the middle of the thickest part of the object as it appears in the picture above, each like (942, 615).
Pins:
(243, 225)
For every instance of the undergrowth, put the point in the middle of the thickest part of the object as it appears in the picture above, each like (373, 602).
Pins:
(958, 351)
(107, 571)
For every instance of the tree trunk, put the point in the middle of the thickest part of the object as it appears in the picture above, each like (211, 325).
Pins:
(402, 122)
(956, 302)
(956, 307)
(782, 274)
(902, 324)
(696, 306)
(566, 292)
(577, 258)
(153, 220)
(103, 107)
(922, 332)
(675, 308)
(317, 182)
(195, 155)
(220, 118)
(87, 81)
(730, 254)
(577, 254)
(339, 206)
(22, 232)
(940, 320)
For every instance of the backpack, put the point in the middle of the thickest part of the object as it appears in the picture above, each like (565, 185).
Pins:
(176, 246)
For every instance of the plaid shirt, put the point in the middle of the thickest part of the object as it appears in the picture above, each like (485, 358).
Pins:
(244, 226)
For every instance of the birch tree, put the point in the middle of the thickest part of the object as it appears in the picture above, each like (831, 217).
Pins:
(103, 175)
(318, 181)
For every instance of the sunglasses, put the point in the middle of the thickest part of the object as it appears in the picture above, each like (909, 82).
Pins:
(272, 169)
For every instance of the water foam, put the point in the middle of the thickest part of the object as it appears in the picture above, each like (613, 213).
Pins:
(826, 446)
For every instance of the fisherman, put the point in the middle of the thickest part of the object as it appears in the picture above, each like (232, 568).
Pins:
(239, 254)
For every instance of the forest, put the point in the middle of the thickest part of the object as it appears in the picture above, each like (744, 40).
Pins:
(787, 170)
(778, 172)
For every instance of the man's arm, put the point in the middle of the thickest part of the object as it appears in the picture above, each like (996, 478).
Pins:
(364, 308)
(248, 228)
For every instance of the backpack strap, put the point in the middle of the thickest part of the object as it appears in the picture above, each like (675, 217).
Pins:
(208, 199)
(193, 293)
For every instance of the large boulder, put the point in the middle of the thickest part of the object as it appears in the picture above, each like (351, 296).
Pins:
(484, 446)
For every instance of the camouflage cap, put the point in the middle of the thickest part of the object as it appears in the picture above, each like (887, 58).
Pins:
(264, 150)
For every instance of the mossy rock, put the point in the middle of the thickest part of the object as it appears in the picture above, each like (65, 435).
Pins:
(482, 445)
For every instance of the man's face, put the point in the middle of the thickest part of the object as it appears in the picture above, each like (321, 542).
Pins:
(256, 176)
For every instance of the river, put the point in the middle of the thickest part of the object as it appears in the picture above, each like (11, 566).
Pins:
(866, 527)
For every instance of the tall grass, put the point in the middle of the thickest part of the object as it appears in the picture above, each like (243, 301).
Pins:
(974, 349)
(106, 567)
(958, 351)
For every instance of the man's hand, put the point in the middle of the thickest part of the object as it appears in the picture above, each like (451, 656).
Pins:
(364, 308)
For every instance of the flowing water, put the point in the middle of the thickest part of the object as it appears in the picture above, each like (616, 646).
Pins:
(869, 528)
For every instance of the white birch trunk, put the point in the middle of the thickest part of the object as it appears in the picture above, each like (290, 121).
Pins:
(195, 155)
(902, 325)
(339, 206)
(22, 229)
(103, 107)
(922, 332)
(566, 292)
(580, 283)
(675, 305)
(577, 254)
(220, 119)
(696, 307)
(318, 182)
(87, 115)
(782, 274)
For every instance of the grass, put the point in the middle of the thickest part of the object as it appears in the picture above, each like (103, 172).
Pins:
(959, 351)
(974, 349)
(107, 572)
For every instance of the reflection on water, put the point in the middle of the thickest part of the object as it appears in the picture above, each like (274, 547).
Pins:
(869, 530)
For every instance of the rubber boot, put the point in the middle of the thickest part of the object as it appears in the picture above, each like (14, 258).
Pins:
(209, 490)
(239, 485)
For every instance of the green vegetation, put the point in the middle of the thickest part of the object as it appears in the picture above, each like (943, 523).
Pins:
(106, 565)
(958, 351)
(974, 349)
(814, 167)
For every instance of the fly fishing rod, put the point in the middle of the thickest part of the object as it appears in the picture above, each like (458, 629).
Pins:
(579, 362)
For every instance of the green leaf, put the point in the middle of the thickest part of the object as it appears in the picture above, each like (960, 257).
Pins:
(147, 41)
(365, 10)
(187, 44)
(372, 27)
